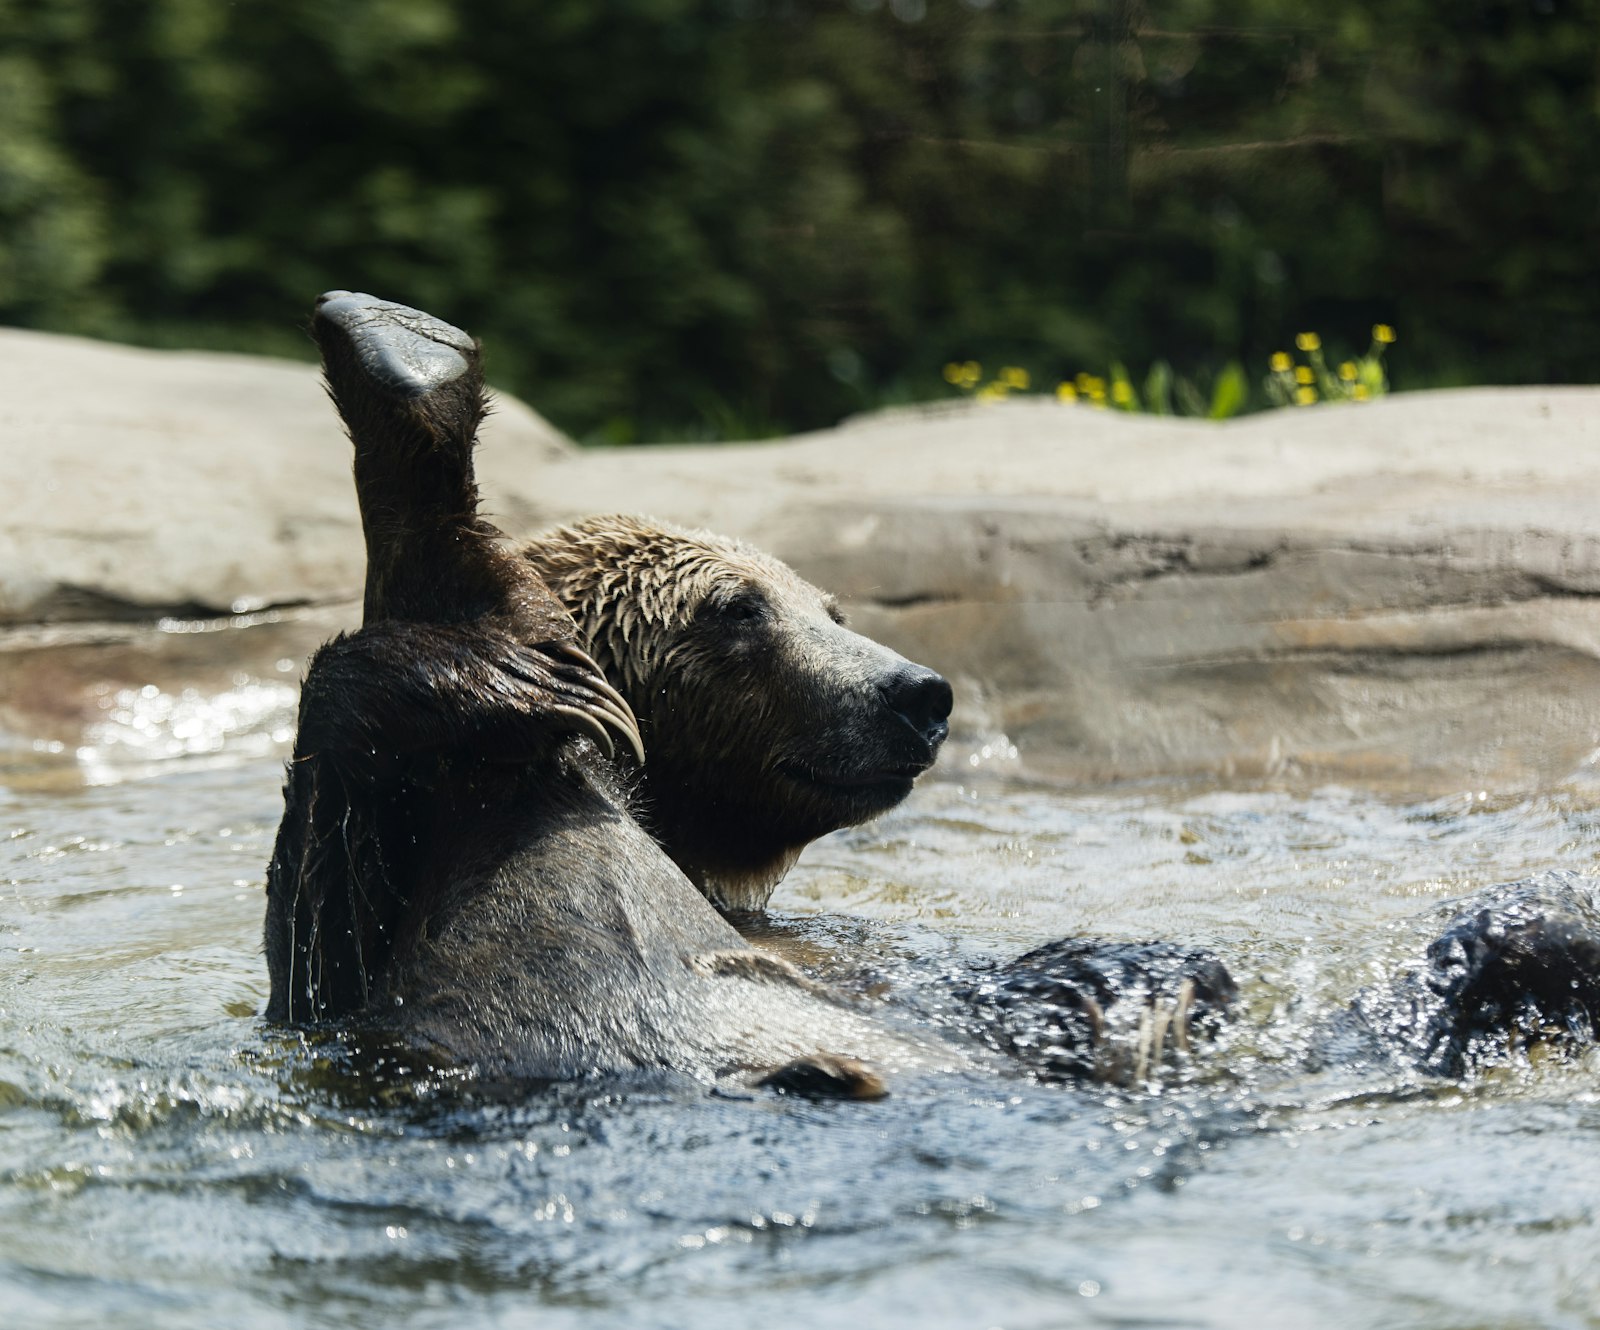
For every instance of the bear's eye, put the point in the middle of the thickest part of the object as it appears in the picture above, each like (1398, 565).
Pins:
(739, 607)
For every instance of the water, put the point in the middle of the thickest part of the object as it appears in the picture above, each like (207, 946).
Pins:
(166, 1159)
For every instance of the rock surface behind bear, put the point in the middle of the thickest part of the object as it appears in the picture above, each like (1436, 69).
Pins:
(1404, 591)
(148, 482)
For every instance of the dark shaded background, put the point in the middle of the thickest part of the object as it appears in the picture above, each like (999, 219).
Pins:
(714, 218)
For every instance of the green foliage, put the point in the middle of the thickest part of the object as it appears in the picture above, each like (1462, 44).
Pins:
(1228, 395)
(710, 217)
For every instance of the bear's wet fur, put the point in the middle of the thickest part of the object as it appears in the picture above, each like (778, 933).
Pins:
(457, 864)
(768, 722)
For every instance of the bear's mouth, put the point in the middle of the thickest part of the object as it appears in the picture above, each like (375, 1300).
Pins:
(890, 783)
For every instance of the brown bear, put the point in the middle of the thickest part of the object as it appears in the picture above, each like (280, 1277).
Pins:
(457, 866)
(767, 721)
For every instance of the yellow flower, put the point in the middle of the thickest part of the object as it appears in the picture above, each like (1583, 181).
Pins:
(1305, 396)
(1122, 392)
(1308, 342)
(1280, 362)
(1016, 378)
(1359, 393)
(1065, 392)
(1097, 386)
(1382, 332)
(1303, 374)
(992, 392)
(1347, 371)
(1083, 381)
(952, 373)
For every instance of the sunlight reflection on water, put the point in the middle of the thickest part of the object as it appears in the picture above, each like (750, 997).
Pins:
(144, 727)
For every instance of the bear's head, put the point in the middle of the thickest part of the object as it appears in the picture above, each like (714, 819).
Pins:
(766, 722)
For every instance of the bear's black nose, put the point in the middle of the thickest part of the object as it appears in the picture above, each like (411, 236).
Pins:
(922, 699)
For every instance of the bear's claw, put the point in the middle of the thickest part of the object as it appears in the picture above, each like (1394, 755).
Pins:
(601, 704)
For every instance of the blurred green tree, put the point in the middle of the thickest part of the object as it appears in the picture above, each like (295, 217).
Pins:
(671, 218)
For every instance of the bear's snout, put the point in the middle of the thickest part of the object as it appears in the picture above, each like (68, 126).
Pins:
(922, 699)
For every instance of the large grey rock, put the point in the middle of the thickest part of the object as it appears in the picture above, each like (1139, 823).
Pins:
(1401, 591)
(146, 481)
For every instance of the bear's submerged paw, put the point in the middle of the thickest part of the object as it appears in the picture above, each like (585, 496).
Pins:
(1516, 966)
(1109, 1012)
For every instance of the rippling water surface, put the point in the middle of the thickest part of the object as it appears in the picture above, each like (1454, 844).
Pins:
(166, 1159)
